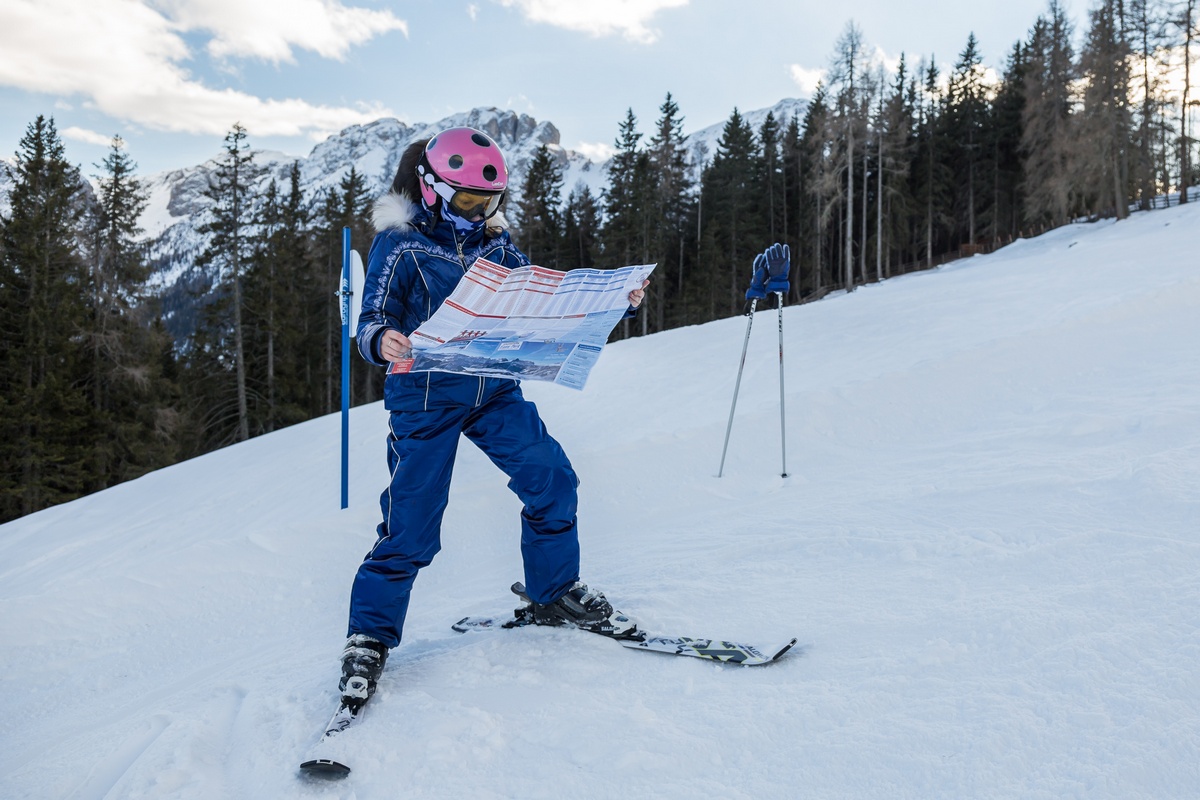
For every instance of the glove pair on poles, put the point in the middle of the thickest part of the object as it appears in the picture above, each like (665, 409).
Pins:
(770, 276)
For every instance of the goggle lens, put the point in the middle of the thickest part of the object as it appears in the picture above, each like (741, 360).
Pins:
(470, 205)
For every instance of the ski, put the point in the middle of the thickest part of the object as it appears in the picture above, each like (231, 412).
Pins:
(324, 764)
(740, 653)
(746, 655)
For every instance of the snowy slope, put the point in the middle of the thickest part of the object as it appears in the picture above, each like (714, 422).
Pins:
(988, 547)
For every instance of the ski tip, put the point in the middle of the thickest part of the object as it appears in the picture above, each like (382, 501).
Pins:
(779, 653)
(325, 768)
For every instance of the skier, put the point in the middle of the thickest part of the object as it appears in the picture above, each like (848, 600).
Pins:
(441, 214)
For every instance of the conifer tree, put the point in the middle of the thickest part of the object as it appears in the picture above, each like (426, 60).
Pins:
(733, 231)
(931, 176)
(1005, 134)
(821, 187)
(581, 228)
(1105, 125)
(265, 308)
(284, 308)
(230, 249)
(539, 210)
(897, 205)
(1188, 26)
(132, 399)
(46, 421)
(628, 201)
(303, 299)
(963, 123)
(791, 162)
(1146, 31)
(672, 187)
(1050, 132)
(846, 77)
(770, 176)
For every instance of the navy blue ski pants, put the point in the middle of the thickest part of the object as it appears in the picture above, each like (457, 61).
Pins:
(421, 450)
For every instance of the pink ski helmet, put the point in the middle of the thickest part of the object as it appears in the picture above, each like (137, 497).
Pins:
(465, 168)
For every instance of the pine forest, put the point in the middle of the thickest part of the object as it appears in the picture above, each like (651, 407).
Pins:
(888, 171)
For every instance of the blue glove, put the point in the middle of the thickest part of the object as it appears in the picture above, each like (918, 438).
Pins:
(778, 261)
(758, 280)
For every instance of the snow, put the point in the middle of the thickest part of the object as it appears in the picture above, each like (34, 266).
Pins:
(987, 546)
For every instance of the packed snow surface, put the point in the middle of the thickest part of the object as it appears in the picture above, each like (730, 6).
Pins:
(988, 545)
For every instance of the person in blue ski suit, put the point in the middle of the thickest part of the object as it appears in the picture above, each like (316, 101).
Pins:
(424, 245)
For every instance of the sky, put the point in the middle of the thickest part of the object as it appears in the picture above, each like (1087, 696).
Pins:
(171, 77)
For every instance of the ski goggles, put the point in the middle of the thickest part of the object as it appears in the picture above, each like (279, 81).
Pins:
(471, 205)
(466, 203)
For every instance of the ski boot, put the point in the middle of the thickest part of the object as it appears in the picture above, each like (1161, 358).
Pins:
(581, 607)
(362, 664)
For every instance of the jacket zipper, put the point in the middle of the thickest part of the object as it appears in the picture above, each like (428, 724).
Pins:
(462, 259)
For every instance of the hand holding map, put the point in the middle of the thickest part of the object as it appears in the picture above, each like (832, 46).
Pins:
(530, 323)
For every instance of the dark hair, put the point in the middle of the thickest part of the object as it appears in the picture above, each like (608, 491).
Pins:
(406, 181)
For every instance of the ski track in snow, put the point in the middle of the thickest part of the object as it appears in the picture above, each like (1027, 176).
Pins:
(987, 546)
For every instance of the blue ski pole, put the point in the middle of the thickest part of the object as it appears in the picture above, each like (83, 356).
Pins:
(345, 303)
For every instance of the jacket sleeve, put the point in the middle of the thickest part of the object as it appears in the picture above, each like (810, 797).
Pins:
(383, 296)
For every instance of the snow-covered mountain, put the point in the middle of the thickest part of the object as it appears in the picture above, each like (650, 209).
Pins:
(177, 203)
(987, 544)
(178, 206)
(703, 143)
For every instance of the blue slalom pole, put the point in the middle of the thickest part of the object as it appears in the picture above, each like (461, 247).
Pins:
(345, 299)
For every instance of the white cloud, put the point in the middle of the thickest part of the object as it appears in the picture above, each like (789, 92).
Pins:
(596, 152)
(597, 17)
(807, 79)
(890, 64)
(123, 58)
(473, 12)
(84, 135)
(270, 29)
(520, 103)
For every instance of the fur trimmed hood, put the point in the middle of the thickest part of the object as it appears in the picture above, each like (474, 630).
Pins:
(395, 210)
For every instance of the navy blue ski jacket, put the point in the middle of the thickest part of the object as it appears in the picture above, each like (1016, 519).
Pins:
(414, 263)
